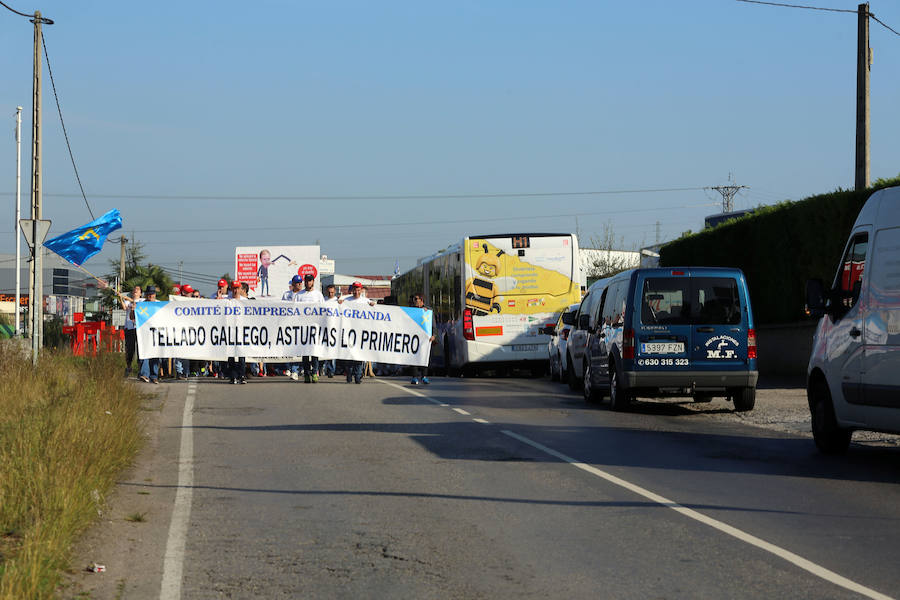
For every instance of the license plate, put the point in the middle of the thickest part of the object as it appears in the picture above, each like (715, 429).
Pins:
(525, 348)
(662, 348)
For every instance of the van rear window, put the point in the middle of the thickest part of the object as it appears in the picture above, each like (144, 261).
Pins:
(690, 301)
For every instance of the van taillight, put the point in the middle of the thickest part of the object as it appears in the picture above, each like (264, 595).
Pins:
(751, 344)
(468, 327)
(628, 344)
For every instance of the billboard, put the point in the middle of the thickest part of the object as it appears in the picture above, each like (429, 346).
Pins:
(268, 269)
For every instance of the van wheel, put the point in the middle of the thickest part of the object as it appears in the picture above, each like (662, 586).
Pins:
(829, 438)
(590, 392)
(619, 398)
(744, 399)
(574, 384)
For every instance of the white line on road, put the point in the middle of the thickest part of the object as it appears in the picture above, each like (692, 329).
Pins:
(482, 421)
(787, 555)
(795, 559)
(173, 565)
(461, 411)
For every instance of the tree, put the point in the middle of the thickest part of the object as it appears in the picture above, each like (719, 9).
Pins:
(610, 260)
(137, 273)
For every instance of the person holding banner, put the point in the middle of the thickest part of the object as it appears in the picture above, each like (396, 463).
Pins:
(329, 367)
(355, 367)
(130, 332)
(296, 284)
(309, 294)
(150, 366)
(421, 372)
(237, 367)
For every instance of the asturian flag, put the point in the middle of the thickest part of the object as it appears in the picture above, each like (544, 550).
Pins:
(83, 242)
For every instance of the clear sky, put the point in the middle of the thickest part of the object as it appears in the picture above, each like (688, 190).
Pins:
(211, 125)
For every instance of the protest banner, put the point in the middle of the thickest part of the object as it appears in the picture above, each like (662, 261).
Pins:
(275, 330)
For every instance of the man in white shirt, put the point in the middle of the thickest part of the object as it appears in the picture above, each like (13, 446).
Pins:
(296, 286)
(329, 367)
(355, 367)
(309, 294)
(288, 296)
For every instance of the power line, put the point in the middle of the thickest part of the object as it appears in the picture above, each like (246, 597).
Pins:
(378, 197)
(44, 20)
(840, 10)
(63, 123)
(843, 10)
(418, 223)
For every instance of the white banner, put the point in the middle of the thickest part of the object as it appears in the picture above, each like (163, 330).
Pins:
(270, 330)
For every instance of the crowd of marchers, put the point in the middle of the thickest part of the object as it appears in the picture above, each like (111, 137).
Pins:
(236, 369)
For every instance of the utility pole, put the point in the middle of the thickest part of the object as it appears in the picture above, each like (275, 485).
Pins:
(122, 239)
(863, 66)
(18, 326)
(728, 192)
(37, 291)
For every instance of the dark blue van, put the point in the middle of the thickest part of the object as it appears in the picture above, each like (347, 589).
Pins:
(684, 331)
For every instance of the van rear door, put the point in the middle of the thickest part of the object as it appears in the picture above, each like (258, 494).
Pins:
(664, 337)
(719, 323)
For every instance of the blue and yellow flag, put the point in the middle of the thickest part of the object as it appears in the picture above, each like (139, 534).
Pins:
(83, 242)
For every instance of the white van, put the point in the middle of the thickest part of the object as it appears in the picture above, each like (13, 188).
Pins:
(854, 371)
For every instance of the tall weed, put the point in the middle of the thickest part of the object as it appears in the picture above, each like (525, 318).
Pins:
(67, 429)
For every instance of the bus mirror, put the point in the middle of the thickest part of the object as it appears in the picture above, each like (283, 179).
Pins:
(815, 298)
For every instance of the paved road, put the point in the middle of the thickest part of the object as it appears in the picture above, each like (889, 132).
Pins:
(482, 488)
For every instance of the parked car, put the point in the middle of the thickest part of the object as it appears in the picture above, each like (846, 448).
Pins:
(853, 378)
(685, 331)
(585, 321)
(559, 335)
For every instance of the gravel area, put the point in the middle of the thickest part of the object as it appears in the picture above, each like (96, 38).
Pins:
(781, 406)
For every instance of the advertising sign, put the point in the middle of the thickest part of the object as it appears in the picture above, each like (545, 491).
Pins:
(268, 269)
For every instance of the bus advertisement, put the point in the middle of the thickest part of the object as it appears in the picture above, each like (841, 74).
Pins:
(491, 295)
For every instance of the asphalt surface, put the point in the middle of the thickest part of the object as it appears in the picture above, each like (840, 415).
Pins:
(498, 488)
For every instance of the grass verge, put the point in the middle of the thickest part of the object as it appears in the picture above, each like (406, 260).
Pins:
(67, 429)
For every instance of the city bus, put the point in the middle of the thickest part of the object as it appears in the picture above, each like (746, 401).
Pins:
(492, 295)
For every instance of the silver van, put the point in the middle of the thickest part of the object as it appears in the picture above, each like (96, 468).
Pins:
(853, 378)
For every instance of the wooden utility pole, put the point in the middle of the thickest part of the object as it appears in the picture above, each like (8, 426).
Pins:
(863, 65)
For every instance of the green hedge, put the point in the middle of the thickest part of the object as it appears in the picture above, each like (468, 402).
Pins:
(778, 247)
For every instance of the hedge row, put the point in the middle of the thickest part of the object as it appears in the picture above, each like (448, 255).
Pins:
(778, 248)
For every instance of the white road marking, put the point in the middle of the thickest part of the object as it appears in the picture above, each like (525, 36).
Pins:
(173, 565)
(461, 411)
(482, 421)
(787, 555)
(794, 559)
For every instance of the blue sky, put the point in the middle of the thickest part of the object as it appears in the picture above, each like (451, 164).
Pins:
(211, 125)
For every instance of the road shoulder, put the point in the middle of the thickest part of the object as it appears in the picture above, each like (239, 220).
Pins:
(129, 538)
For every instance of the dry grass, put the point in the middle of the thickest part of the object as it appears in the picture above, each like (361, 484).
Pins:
(67, 429)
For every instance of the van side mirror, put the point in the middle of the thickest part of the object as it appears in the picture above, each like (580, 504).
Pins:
(568, 318)
(584, 321)
(815, 298)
